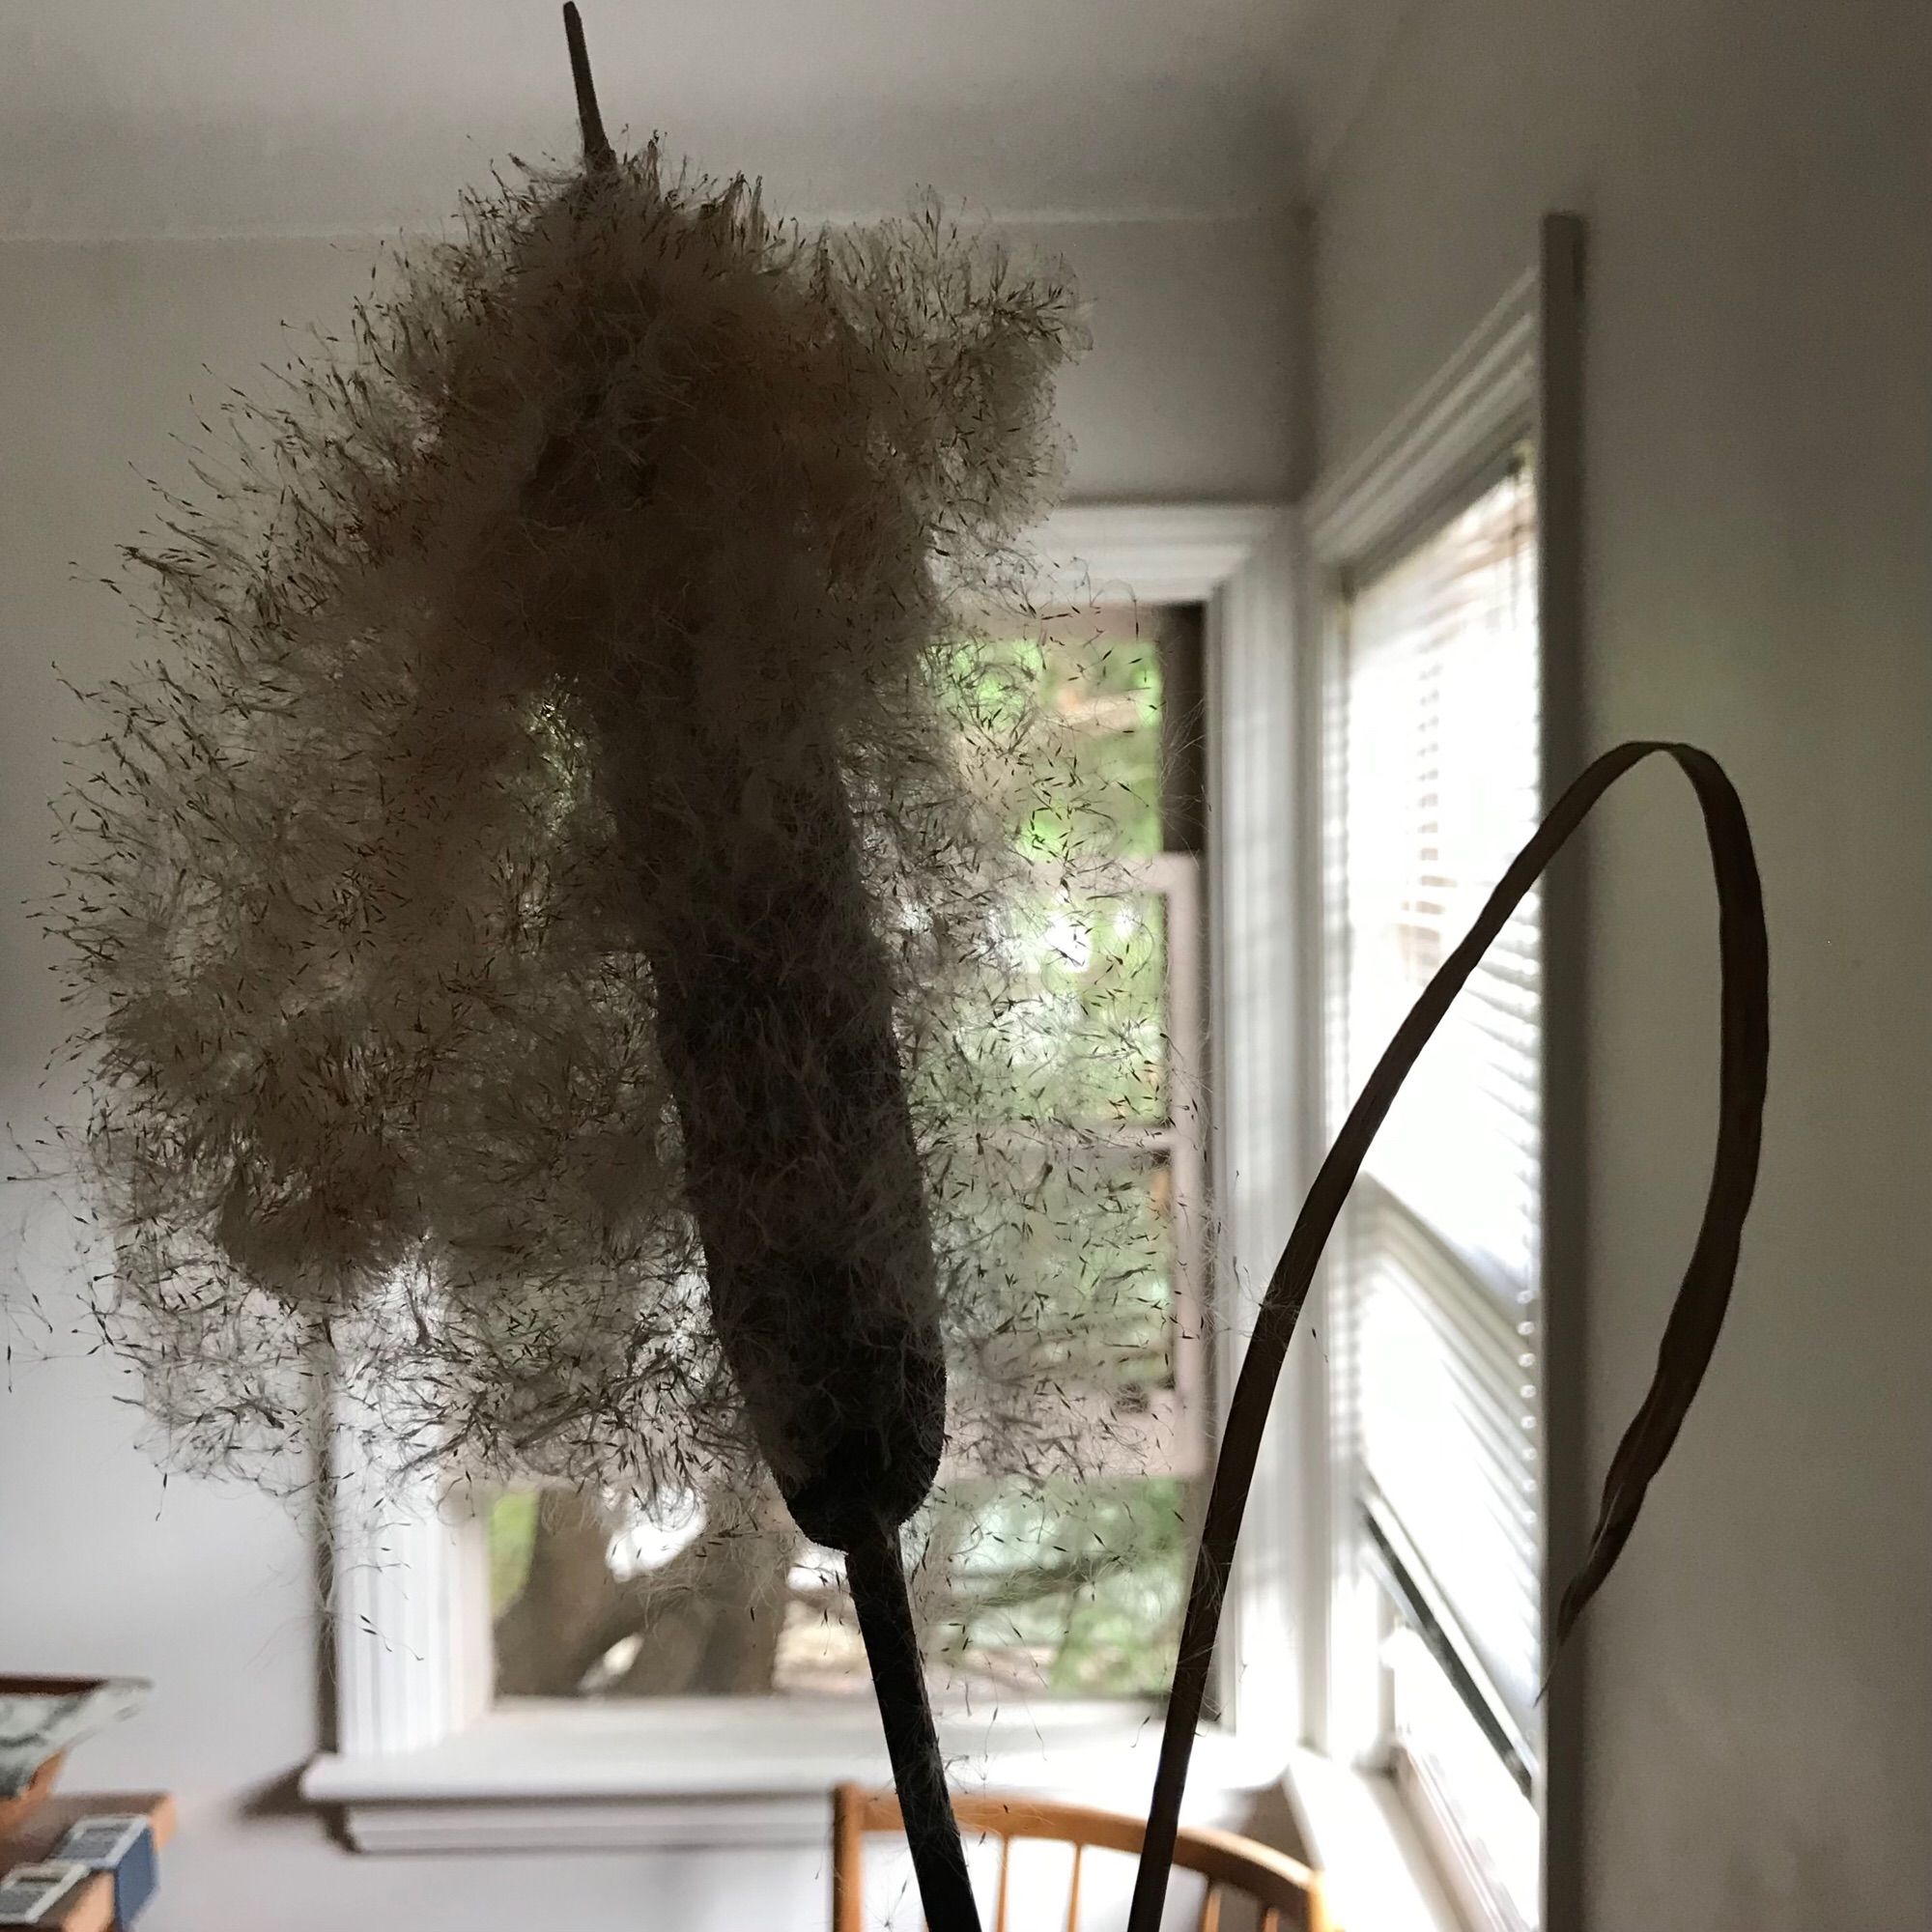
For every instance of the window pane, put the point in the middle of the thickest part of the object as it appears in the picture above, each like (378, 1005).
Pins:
(1099, 673)
(1062, 1589)
(1094, 1232)
(1085, 1039)
(1447, 1441)
(1434, 756)
(1059, 1588)
(1442, 772)
(1463, 1780)
(1053, 1587)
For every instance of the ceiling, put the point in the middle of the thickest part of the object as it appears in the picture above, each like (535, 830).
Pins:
(134, 117)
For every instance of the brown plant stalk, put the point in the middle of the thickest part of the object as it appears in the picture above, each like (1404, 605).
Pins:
(1696, 1315)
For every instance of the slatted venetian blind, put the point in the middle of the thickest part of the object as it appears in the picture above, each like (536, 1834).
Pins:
(1434, 760)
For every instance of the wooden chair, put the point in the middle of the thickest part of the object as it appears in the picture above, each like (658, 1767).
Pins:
(1286, 1895)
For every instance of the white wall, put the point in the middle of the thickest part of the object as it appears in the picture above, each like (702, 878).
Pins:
(1756, 179)
(211, 1590)
(228, 116)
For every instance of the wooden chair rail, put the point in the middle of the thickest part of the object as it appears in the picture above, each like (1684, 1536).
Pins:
(1288, 1894)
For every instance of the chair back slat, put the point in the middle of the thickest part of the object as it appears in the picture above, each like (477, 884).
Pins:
(848, 1848)
(1287, 1893)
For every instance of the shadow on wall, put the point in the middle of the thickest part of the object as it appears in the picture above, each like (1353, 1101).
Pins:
(1269, 1819)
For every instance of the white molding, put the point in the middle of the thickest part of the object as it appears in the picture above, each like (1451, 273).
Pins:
(1517, 376)
(1242, 560)
(1478, 402)
(1481, 401)
(1255, 1142)
(1150, 552)
(424, 1762)
(409, 1602)
(1569, 1501)
(762, 1821)
(467, 1825)
(553, 1776)
(1376, 1872)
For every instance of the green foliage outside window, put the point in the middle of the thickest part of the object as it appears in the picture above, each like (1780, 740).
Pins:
(1047, 1587)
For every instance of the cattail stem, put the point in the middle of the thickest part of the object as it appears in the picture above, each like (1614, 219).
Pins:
(873, 1570)
(598, 154)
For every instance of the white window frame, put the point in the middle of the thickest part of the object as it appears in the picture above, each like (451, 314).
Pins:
(1514, 380)
(423, 1760)
(1167, 1437)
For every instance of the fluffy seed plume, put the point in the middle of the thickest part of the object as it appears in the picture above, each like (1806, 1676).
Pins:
(618, 566)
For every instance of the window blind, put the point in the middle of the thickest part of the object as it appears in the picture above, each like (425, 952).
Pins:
(1434, 784)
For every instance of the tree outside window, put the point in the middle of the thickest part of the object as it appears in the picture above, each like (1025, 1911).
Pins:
(1061, 1583)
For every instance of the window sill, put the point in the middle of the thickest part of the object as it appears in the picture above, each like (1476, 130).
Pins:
(1376, 1870)
(528, 1777)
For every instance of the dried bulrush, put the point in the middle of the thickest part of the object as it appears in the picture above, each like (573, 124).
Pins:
(535, 910)
(543, 919)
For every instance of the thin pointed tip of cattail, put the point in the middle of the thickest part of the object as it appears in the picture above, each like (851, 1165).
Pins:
(599, 156)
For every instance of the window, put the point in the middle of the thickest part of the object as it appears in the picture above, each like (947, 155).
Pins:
(1432, 774)
(427, 1758)
(1049, 1587)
